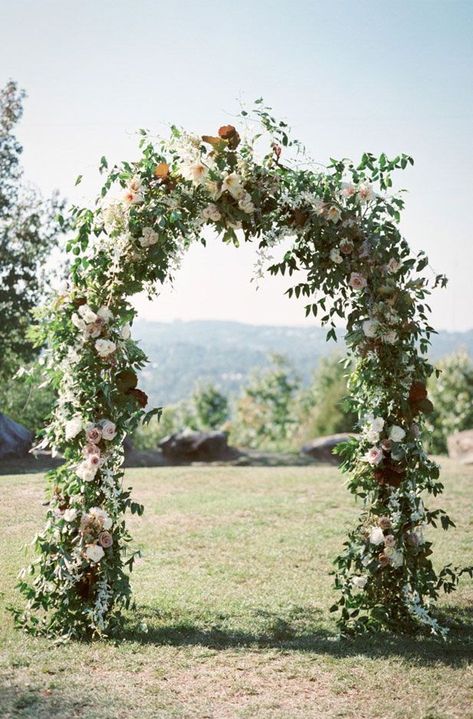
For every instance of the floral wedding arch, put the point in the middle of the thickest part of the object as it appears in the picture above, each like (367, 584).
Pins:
(351, 262)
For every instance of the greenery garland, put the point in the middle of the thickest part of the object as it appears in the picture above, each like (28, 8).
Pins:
(342, 225)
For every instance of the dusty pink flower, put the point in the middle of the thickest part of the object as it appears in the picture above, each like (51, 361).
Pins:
(357, 281)
(346, 247)
(105, 539)
(93, 434)
(374, 456)
(390, 540)
(387, 445)
(91, 449)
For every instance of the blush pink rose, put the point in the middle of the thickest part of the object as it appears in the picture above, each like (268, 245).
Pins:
(105, 539)
(357, 281)
(93, 434)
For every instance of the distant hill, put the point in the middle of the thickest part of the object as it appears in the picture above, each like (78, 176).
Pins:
(183, 353)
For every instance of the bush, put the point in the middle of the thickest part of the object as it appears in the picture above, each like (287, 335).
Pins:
(206, 410)
(26, 399)
(452, 395)
(322, 407)
(265, 413)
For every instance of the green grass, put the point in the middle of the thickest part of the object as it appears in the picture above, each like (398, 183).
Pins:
(234, 588)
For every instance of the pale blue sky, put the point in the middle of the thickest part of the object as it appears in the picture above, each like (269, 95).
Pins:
(349, 76)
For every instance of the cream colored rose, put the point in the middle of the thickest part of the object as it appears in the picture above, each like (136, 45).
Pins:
(105, 314)
(376, 536)
(109, 430)
(397, 433)
(70, 514)
(149, 237)
(94, 552)
(105, 347)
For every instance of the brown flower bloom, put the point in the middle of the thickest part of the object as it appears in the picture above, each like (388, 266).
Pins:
(383, 559)
(384, 522)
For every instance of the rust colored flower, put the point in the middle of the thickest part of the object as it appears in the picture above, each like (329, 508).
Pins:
(226, 132)
(140, 396)
(417, 392)
(161, 171)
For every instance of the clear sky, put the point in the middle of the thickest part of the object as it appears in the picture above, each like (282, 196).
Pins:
(349, 76)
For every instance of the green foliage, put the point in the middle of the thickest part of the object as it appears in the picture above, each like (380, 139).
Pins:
(28, 397)
(323, 407)
(451, 392)
(265, 413)
(348, 260)
(209, 408)
(29, 231)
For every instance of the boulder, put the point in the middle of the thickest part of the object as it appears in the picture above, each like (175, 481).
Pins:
(191, 446)
(321, 448)
(15, 440)
(460, 446)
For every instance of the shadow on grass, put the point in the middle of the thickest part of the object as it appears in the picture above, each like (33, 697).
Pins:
(283, 633)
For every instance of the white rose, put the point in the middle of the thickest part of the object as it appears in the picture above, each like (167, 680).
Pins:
(86, 470)
(377, 423)
(109, 429)
(359, 582)
(105, 314)
(70, 514)
(396, 433)
(94, 552)
(125, 332)
(376, 536)
(87, 314)
(246, 204)
(78, 322)
(372, 436)
(335, 255)
(105, 347)
(211, 212)
(149, 237)
(390, 337)
(73, 427)
(370, 328)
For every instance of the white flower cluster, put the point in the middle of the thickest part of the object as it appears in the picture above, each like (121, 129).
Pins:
(372, 430)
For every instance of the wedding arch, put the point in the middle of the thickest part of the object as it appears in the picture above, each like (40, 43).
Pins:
(349, 260)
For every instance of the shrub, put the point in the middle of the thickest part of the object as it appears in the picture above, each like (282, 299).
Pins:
(452, 395)
(265, 413)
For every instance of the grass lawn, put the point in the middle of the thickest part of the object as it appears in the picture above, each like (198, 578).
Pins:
(234, 589)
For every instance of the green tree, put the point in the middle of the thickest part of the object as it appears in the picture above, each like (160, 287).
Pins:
(451, 393)
(265, 413)
(209, 408)
(322, 407)
(29, 231)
